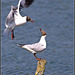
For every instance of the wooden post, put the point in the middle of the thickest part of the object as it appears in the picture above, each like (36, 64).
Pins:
(40, 67)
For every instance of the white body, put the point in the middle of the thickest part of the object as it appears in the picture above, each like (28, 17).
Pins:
(37, 47)
(13, 21)
(17, 19)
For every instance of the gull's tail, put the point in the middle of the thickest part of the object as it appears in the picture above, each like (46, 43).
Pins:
(6, 32)
(20, 45)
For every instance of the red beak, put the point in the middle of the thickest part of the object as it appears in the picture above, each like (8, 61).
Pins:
(31, 21)
(40, 29)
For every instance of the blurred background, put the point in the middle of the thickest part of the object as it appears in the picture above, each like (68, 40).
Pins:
(56, 18)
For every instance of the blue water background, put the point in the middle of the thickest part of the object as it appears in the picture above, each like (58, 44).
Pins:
(55, 17)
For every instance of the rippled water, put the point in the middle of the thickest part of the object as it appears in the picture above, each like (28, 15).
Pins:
(56, 19)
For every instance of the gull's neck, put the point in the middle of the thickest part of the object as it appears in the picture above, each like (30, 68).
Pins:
(42, 39)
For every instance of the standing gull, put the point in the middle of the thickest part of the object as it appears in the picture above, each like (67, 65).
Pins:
(15, 19)
(36, 47)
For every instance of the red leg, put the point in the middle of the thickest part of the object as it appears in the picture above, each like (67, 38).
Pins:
(36, 57)
(12, 34)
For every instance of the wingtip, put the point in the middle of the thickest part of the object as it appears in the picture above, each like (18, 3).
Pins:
(28, 3)
(18, 44)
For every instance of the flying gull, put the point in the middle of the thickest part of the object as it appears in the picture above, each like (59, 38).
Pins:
(15, 19)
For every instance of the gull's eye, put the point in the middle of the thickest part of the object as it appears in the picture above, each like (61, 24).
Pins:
(42, 45)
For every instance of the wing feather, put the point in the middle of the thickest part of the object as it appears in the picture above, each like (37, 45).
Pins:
(25, 3)
(36, 47)
(9, 18)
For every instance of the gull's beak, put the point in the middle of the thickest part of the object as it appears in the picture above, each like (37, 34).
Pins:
(43, 32)
(32, 21)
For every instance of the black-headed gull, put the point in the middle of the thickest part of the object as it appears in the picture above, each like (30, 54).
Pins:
(15, 19)
(36, 47)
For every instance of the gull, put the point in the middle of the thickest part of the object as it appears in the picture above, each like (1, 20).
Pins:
(14, 17)
(36, 47)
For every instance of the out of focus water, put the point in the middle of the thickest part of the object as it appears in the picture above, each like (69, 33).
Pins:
(55, 17)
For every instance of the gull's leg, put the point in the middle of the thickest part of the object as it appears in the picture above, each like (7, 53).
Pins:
(12, 34)
(36, 57)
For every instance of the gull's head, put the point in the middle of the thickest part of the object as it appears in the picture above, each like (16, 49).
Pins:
(29, 19)
(43, 32)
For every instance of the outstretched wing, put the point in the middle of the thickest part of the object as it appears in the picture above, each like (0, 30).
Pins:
(38, 47)
(9, 18)
(25, 3)
(28, 2)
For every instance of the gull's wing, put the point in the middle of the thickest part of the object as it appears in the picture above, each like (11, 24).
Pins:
(36, 47)
(9, 18)
(33, 48)
(24, 3)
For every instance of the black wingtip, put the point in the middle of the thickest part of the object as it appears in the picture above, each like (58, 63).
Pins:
(25, 3)
(28, 3)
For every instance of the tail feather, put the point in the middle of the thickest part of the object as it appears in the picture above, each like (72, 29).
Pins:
(6, 32)
(20, 45)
